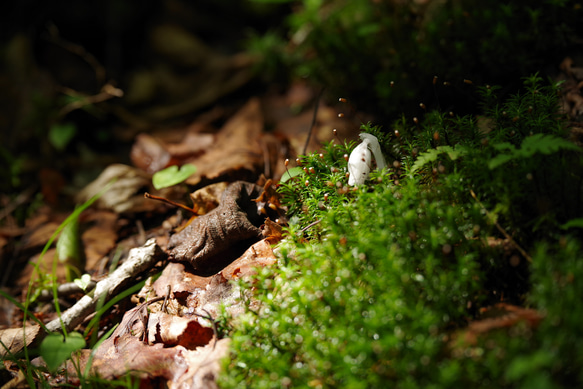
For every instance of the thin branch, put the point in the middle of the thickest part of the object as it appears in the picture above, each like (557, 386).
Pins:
(165, 200)
(139, 260)
(107, 92)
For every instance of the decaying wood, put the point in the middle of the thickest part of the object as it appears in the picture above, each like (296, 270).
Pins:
(206, 240)
(139, 260)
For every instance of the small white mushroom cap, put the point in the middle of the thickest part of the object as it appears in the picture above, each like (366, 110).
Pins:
(375, 147)
(359, 164)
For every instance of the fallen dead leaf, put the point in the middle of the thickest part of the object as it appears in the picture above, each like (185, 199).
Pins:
(125, 191)
(212, 241)
(129, 355)
(175, 330)
(259, 255)
(7, 308)
(45, 264)
(192, 145)
(182, 282)
(13, 339)
(149, 154)
(99, 236)
(204, 366)
(208, 198)
(170, 365)
(235, 151)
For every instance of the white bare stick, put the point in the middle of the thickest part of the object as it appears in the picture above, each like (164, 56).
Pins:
(139, 260)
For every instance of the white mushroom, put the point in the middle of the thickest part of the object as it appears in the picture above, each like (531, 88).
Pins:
(359, 163)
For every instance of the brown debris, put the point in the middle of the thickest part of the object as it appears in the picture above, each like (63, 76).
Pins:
(212, 241)
(149, 154)
(258, 255)
(498, 317)
(235, 149)
(572, 76)
(182, 282)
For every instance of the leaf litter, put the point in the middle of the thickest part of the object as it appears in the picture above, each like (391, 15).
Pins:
(169, 337)
(176, 345)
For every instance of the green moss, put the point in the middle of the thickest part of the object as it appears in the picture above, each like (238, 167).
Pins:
(370, 295)
(356, 48)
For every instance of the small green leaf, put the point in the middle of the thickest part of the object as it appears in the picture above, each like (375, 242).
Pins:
(70, 249)
(61, 134)
(56, 349)
(291, 173)
(172, 175)
(573, 223)
(83, 282)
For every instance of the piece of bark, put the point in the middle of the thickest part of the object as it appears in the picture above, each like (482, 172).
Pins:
(214, 240)
(139, 260)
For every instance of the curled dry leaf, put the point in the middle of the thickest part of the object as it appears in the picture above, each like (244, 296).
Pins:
(235, 149)
(149, 154)
(208, 198)
(220, 291)
(13, 339)
(179, 352)
(212, 241)
(272, 232)
(130, 354)
(182, 282)
(125, 190)
(174, 330)
(259, 255)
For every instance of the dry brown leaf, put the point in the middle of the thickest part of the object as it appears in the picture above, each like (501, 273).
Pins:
(235, 151)
(259, 255)
(149, 154)
(14, 338)
(129, 355)
(204, 366)
(576, 101)
(39, 236)
(182, 282)
(272, 231)
(125, 191)
(100, 235)
(7, 308)
(51, 182)
(45, 264)
(218, 291)
(208, 198)
(173, 358)
(212, 241)
(192, 145)
(175, 330)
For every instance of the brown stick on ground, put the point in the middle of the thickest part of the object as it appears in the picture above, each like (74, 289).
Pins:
(140, 259)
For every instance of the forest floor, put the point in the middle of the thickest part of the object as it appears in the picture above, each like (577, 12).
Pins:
(153, 296)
